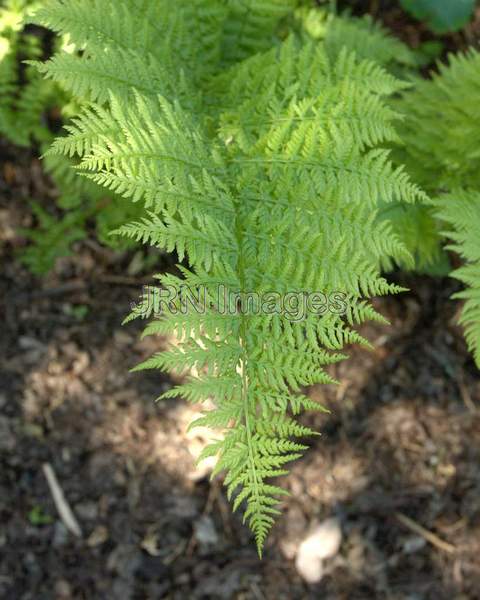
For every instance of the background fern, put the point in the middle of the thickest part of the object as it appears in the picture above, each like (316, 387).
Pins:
(441, 125)
(440, 134)
(27, 101)
(368, 39)
(23, 95)
(460, 211)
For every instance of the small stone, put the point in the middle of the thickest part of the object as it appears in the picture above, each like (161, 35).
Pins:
(87, 511)
(32, 565)
(98, 536)
(183, 507)
(7, 437)
(120, 478)
(29, 343)
(122, 338)
(124, 560)
(309, 567)
(81, 363)
(322, 542)
(205, 532)
(33, 430)
(63, 590)
(325, 539)
(60, 535)
(224, 585)
(150, 544)
(413, 544)
(70, 349)
(122, 589)
(182, 579)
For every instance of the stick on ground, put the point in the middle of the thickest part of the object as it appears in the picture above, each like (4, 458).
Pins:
(64, 510)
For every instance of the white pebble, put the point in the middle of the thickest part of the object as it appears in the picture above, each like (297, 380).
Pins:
(309, 567)
(321, 543)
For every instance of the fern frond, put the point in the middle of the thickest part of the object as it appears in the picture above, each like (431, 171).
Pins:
(417, 228)
(24, 99)
(368, 39)
(252, 26)
(460, 210)
(441, 128)
(441, 151)
(143, 27)
(265, 179)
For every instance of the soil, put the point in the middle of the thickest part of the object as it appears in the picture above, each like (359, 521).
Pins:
(398, 461)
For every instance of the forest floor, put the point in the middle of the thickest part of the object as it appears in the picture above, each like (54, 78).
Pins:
(398, 461)
(403, 438)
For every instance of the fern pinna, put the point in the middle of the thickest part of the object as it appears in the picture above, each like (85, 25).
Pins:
(258, 160)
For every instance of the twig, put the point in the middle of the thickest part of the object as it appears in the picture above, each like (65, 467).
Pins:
(224, 513)
(67, 288)
(123, 280)
(427, 535)
(211, 498)
(178, 551)
(256, 591)
(465, 394)
(63, 508)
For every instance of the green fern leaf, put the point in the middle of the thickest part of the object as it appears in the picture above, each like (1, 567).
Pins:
(263, 171)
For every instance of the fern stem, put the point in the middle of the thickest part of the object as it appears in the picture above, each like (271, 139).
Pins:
(243, 364)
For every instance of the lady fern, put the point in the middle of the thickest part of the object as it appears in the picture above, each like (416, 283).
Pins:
(460, 211)
(440, 132)
(367, 38)
(258, 157)
(27, 103)
(24, 96)
(441, 126)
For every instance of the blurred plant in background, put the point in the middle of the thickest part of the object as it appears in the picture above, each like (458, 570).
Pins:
(441, 16)
(32, 110)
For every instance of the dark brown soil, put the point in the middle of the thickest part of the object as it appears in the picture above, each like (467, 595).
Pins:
(409, 30)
